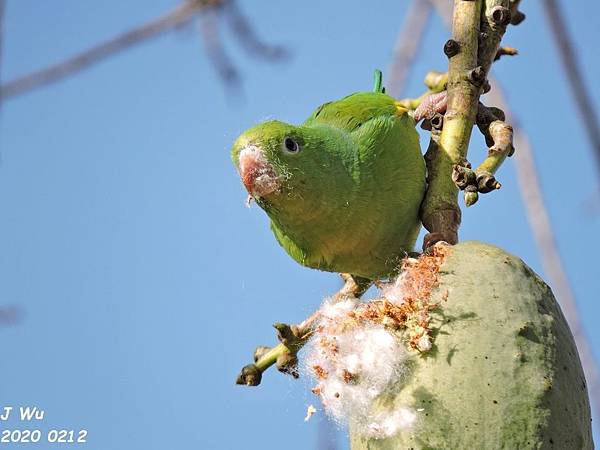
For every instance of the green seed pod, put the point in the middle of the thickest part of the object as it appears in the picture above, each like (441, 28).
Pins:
(503, 371)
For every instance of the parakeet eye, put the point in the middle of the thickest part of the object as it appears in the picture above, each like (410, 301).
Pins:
(290, 145)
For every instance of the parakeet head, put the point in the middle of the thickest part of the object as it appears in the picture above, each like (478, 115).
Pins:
(286, 167)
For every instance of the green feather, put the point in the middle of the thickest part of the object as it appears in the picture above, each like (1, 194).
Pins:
(378, 84)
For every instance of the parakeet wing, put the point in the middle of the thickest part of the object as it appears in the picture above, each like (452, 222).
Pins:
(352, 111)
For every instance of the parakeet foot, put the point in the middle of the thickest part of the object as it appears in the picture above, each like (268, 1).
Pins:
(442, 226)
(431, 105)
(354, 286)
(431, 239)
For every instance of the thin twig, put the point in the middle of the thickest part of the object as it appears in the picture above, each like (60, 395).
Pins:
(499, 138)
(506, 51)
(407, 45)
(570, 64)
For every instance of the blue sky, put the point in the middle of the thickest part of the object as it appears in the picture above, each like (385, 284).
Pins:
(145, 282)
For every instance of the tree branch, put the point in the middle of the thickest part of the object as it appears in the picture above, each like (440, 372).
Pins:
(440, 212)
(499, 138)
(478, 27)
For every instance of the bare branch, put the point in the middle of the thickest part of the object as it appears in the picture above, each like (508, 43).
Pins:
(209, 30)
(574, 74)
(444, 9)
(407, 45)
(247, 37)
(469, 60)
(177, 17)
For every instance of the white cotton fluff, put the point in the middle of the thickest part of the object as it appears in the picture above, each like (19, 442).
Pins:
(388, 423)
(354, 362)
(394, 290)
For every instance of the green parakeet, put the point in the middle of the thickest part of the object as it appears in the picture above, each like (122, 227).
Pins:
(343, 189)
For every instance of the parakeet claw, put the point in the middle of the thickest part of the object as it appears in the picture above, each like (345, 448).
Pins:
(431, 105)
(431, 239)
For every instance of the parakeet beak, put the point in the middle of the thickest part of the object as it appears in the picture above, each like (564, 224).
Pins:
(258, 174)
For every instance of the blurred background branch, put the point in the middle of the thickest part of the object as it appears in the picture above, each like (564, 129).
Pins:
(209, 30)
(574, 74)
(2, 8)
(407, 45)
(10, 315)
(178, 17)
